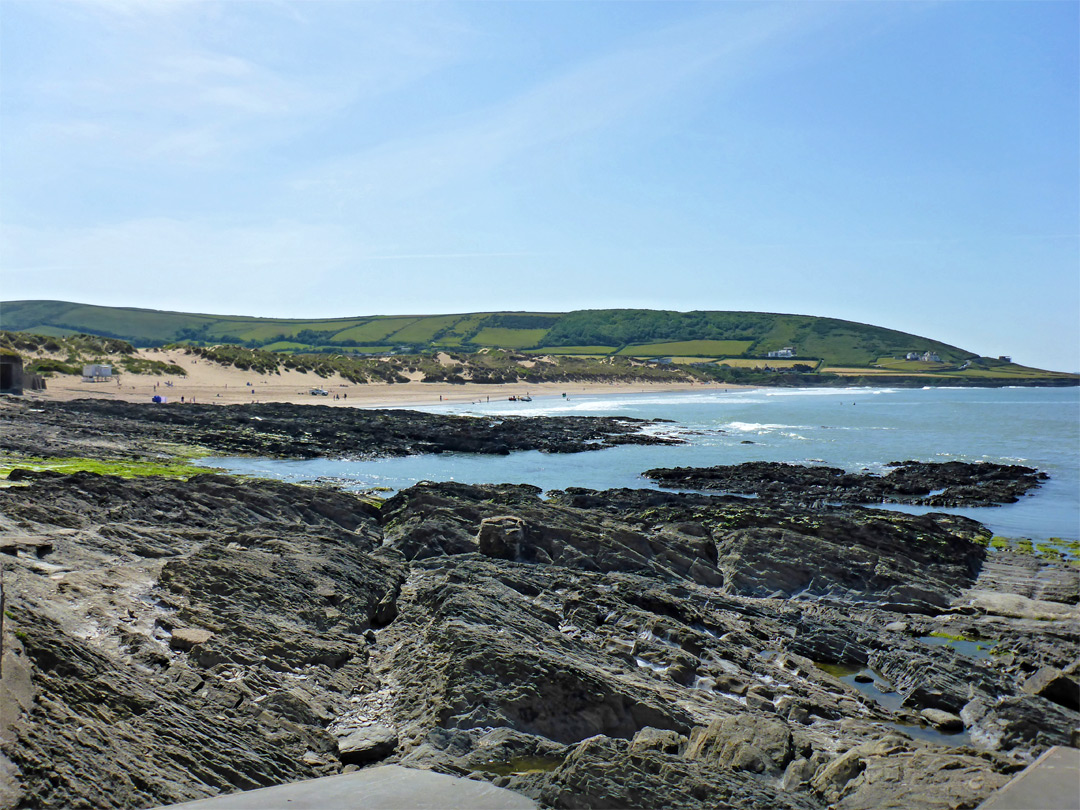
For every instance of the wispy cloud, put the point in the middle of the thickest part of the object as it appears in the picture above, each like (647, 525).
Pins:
(199, 79)
(592, 97)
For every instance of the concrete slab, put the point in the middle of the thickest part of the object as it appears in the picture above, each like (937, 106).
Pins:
(1052, 782)
(385, 787)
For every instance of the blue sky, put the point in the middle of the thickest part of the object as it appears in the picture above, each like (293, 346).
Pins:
(913, 165)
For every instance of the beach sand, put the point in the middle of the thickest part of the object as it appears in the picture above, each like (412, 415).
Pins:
(211, 383)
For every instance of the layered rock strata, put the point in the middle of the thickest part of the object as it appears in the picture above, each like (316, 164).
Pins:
(179, 639)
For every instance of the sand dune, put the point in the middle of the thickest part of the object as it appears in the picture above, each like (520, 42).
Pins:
(209, 382)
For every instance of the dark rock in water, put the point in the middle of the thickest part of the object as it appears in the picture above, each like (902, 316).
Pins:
(945, 484)
(629, 648)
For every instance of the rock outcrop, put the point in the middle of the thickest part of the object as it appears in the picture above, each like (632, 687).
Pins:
(944, 484)
(97, 427)
(178, 639)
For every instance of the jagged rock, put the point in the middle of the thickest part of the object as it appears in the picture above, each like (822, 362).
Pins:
(1052, 684)
(657, 739)
(746, 742)
(1021, 722)
(830, 782)
(925, 779)
(367, 745)
(501, 537)
(602, 772)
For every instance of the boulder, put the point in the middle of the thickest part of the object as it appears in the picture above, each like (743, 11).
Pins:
(367, 745)
(831, 780)
(501, 537)
(184, 638)
(943, 720)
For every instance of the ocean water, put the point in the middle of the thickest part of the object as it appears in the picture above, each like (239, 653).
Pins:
(854, 428)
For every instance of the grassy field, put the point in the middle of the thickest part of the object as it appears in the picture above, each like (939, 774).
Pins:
(761, 362)
(425, 329)
(374, 330)
(592, 351)
(687, 348)
(900, 364)
(268, 330)
(466, 326)
(509, 338)
(1008, 371)
(293, 346)
(858, 371)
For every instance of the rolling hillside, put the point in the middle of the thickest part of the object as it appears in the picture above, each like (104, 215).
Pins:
(736, 340)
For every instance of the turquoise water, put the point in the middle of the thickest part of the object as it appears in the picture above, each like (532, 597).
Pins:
(972, 649)
(856, 428)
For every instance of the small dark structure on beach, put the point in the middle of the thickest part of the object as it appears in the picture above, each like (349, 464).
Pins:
(11, 373)
(13, 379)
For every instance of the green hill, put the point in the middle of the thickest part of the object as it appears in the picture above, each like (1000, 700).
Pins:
(742, 337)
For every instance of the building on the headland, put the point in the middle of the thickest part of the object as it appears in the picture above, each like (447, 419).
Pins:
(1005, 358)
(787, 351)
(926, 357)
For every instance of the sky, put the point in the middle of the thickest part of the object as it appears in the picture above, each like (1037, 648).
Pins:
(911, 165)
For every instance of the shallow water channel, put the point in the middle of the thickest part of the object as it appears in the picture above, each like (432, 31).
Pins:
(875, 687)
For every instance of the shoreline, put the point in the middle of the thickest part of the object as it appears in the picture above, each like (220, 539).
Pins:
(209, 383)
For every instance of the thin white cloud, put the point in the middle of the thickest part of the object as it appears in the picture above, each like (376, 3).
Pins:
(161, 75)
(592, 97)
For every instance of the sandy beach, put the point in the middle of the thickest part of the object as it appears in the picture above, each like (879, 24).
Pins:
(210, 383)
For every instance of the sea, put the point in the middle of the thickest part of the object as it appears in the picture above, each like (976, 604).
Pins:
(852, 428)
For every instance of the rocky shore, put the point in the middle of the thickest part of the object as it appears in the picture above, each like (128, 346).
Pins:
(944, 484)
(95, 426)
(168, 639)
